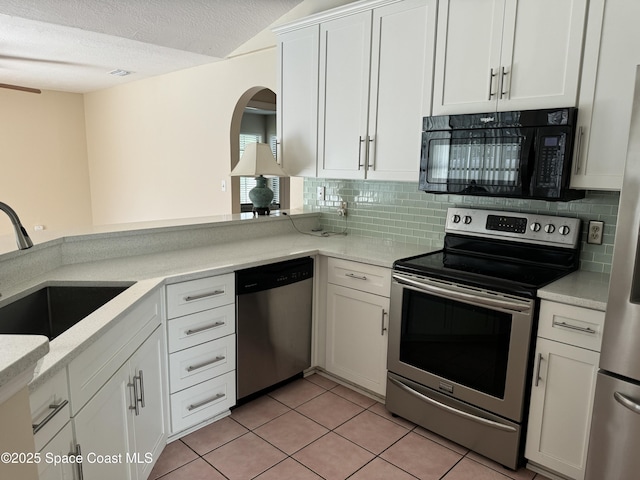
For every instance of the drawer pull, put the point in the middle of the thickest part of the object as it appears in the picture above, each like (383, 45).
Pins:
(357, 277)
(218, 358)
(588, 330)
(54, 410)
(192, 331)
(215, 293)
(193, 406)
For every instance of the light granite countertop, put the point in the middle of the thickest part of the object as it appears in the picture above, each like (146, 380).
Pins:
(148, 271)
(20, 353)
(580, 288)
(153, 270)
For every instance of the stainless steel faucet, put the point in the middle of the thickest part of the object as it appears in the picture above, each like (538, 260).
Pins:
(22, 238)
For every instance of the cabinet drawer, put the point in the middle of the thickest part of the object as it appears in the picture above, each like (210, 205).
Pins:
(203, 401)
(361, 276)
(202, 362)
(90, 370)
(198, 295)
(573, 325)
(201, 327)
(49, 408)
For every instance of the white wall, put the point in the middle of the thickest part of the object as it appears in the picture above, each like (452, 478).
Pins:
(160, 148)
(43, 160)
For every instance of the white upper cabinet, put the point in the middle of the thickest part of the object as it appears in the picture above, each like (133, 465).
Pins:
(355, 83)
(375, 86)
(612, 53)
(507, 55)
(345, 47)
(297, 100)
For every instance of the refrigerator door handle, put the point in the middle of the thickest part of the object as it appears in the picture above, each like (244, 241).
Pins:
(627, 402)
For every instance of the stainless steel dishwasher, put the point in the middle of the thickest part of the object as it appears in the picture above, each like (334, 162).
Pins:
(273, 332)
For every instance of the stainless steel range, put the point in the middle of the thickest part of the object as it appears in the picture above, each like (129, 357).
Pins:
(463, 322)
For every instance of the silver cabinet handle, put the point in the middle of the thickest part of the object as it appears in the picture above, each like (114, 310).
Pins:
(538, 378)
(491, 77)
(135, 406)
(192, 331)
(588, 330)
(383, 328)
(215, 293)
(77, 453)
(218, 358)
(360, 142)
(577, 160)
(455, 411)
(141, 379)
(369, 156)
(357, 277)
(193, 406)
(503, 76)
(626, 402)
(54, 411)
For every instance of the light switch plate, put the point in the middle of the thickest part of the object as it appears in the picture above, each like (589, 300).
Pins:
(320, 193)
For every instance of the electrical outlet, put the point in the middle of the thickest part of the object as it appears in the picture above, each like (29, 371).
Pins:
(595, 232)
(320, 193)
(342, 211)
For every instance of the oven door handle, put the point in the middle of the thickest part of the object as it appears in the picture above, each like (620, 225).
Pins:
(447, 408)
(425, 285)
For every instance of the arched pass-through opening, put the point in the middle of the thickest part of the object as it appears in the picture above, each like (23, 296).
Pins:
(255, 102)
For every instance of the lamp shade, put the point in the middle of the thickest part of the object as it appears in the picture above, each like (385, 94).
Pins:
(257, 160)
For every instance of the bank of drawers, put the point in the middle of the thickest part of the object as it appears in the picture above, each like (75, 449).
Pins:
(202, 349)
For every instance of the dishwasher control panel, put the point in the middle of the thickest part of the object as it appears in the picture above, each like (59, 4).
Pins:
(273, 275)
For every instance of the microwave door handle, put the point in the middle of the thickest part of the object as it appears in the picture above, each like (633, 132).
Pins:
(426, 287)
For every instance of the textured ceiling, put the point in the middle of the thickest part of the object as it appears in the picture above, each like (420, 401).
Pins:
(70, 45)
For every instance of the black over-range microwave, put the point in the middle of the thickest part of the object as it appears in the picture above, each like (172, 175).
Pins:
(521, 154)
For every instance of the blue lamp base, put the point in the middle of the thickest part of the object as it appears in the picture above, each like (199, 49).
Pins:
(261, 196)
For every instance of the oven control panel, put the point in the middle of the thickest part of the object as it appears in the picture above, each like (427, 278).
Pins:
(526, 227)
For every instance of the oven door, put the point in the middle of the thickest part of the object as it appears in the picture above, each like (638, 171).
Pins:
(464, 342)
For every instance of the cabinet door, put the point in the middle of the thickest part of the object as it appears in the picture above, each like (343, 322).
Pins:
(149, 423)
(401, 71)
(345, 49)
(561, 406)
(105, 427)
(606, 94)
(541, 54)
(467, 56)
(298, 100)
(357, 337)
(61, 444)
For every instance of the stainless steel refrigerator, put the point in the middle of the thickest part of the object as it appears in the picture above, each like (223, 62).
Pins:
(614, 446)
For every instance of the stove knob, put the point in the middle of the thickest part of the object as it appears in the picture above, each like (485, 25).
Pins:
(550, 228)
(455, 218)
(564, 230)
(535, 227)
(467, 219)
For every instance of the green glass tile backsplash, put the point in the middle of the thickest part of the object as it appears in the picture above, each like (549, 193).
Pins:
(398, 211)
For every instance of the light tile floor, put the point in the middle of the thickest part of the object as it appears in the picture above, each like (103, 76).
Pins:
(314, 428)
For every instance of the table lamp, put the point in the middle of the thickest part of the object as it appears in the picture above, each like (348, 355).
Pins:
(257, 161)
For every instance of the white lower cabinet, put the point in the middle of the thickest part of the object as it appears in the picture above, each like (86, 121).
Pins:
(563, 388)
(120, 431)
(357, 322)
(202, 351)
(60, 446)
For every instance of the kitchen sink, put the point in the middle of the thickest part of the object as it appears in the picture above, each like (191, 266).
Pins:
(52, 310)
